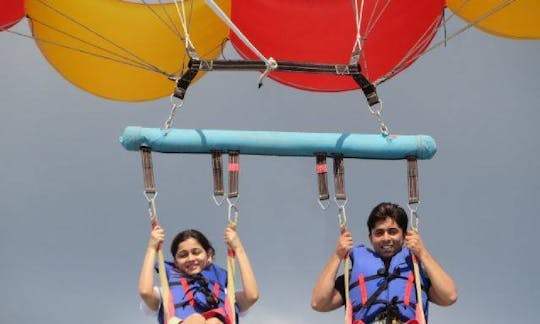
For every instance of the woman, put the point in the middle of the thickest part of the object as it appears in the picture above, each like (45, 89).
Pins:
(197, 286)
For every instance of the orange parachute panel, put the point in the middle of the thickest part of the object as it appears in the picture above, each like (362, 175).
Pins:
(505, 18)
(107, 47)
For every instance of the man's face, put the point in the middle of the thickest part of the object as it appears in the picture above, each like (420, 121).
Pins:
(386, 238)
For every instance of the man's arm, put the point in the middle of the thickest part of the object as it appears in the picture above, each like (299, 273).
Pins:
(443, 290)
(325, 297)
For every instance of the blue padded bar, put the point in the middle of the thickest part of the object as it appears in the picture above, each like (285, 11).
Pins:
(360, 146)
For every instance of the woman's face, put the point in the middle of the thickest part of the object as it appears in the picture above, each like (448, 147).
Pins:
(191, 258)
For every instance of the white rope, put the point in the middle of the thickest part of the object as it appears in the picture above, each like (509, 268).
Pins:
(217, 10)
(357, 47)
(374, 20)
(182, 16)
(359, 14)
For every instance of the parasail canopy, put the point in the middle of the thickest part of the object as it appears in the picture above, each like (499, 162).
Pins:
(392, 35)
(114, 48)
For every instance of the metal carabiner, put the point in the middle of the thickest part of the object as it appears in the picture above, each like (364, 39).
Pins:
(342, 217)
(232, 214)
(322, 205)
(413, 211)
(218, 202)
(152, 212)
(175, 104)
(377, 112)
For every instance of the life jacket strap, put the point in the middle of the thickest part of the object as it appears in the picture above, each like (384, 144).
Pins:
(410, 281)
(187, 291)
(382, 287)
(363, 289)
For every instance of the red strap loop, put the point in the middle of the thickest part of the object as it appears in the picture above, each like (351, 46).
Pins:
(234, 167)
(321, 168)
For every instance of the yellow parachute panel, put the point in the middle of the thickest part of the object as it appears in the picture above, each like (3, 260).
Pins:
(505, 18)
(106, 47)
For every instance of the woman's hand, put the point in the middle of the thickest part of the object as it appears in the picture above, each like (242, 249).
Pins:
(344, 244)
(156, 237)
(231, 238)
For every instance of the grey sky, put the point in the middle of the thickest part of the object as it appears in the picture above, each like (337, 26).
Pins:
(74, 224)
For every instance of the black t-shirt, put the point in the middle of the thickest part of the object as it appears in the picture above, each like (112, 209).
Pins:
(339, 285)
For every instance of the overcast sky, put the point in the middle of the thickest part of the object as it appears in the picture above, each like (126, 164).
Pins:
(74, 223)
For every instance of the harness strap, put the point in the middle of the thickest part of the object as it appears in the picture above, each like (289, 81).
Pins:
(185, 80)
(367, 88)
(375, 295)
(380, 273)
(215, 285)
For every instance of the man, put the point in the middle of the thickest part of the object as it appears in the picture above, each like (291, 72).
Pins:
(381, 280)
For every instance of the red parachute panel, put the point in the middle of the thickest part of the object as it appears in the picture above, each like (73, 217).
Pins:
(394, 33)
(12, 11)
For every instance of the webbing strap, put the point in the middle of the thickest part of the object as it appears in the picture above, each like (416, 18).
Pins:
(185, 80)
(339, 177)
(367, 88)
(217, 171)
(233, 168)
(148, 171)
(412, 180)
(321, 169)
